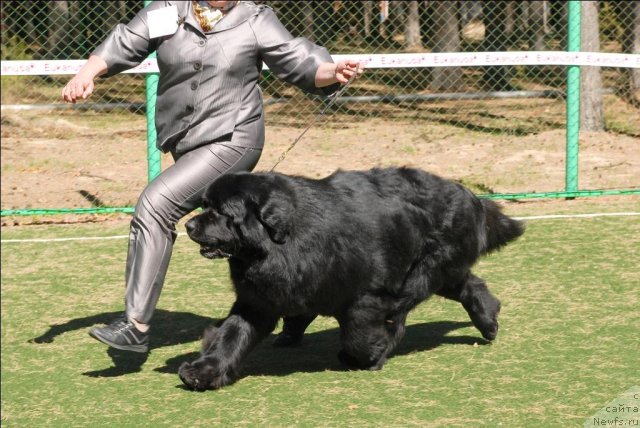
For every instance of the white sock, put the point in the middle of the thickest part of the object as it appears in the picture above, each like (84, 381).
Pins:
(141, 327)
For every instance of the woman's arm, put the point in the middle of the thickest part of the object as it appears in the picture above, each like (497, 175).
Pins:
(81, 85)
(329, 73)
(297, 60)
(125, 47)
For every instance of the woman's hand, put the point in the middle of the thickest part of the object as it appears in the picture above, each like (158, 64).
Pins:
(329, 73)
(346, 69)
(81, 85)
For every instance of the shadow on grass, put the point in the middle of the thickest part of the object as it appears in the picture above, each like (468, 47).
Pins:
(317, 353)
(169, 328)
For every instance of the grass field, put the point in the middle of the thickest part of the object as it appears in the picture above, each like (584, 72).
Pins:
(568, 341)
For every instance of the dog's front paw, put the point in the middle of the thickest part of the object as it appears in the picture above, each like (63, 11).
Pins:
(202, 375)
(354, 363)
(190, 377)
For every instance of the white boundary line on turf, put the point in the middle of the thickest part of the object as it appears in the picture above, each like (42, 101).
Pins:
(555, 216)
(79, 238)
(103, 238)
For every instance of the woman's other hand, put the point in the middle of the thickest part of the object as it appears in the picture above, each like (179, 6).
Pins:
(81, 85)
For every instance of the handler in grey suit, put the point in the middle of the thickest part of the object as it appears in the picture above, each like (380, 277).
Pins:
(209, 115)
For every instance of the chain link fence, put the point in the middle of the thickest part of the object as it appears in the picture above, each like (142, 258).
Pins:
(504, 100)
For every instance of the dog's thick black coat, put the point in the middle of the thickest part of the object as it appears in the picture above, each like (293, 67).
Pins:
(364, 247)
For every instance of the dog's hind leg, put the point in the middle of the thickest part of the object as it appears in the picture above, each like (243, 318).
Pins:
(482, 306)
(369, 333)
(225, 348)
(293, 329)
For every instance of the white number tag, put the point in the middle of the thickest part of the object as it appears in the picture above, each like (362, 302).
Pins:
(163, 22)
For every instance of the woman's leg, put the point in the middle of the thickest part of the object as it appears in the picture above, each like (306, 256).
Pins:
(172, 195)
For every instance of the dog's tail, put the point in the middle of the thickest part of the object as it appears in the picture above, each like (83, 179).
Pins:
(499, 228)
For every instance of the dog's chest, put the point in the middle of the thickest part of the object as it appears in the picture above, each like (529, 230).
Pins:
(272, 287)
(258, 279)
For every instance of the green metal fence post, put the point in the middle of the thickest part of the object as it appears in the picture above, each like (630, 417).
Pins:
(154, 166)
(573, 98)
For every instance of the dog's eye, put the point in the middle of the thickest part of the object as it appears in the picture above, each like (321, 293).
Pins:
(216, 213)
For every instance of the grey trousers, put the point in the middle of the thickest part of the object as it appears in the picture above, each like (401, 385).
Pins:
(172, 195)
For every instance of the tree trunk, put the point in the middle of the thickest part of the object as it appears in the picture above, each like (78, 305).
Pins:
(58, 17)
(628, 14)
(367, 12)
(412, 29)
(446, 38)
(307, 20)
(591, 115)
(384, 15)
(509, 18)
(537, 26)
(63, 30)
(495, 40)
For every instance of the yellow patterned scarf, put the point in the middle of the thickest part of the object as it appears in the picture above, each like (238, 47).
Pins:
(206, 16)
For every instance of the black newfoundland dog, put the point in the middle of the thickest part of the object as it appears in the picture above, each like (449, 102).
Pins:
(365, 247)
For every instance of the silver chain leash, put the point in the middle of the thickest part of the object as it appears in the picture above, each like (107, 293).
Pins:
(332, 100)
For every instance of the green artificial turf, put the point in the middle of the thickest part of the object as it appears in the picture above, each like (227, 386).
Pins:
(568, 341)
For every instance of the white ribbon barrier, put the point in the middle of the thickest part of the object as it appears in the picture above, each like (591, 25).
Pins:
(407, 60)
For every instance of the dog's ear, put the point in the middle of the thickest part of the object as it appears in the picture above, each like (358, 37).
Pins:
(275, 214)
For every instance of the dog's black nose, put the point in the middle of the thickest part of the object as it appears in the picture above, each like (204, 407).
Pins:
(191, 226)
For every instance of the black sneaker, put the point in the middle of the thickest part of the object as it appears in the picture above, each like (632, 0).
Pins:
(122, 334)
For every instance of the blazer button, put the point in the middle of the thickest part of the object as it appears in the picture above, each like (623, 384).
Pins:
(197, 66)
(201, 42)
(194, 86)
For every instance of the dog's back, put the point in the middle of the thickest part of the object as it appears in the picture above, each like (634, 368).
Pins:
(448, 205)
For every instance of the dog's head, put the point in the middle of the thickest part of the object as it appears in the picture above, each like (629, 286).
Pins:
(242, 212)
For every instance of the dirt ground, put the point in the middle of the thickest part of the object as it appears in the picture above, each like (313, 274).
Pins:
(71, 159)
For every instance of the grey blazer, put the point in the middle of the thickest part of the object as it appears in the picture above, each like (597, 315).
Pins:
(208, 88)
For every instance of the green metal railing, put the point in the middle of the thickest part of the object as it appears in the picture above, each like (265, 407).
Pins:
(498, 196)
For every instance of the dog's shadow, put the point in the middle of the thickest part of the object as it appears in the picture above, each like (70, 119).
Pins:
(169, 328)
(318, 350)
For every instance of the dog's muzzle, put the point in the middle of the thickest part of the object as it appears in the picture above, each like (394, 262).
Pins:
(213, 253)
